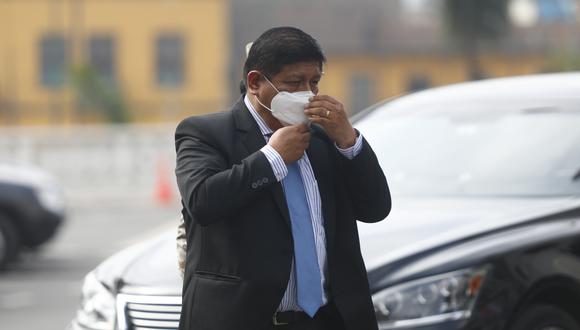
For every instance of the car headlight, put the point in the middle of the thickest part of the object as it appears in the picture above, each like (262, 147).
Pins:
(98, 305)
(51, 198)
(429, 300)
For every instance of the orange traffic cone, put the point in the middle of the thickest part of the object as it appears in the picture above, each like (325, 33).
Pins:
(163, 188)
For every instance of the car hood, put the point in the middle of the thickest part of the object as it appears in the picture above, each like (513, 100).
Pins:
(419, 224)
(414, 225)
(149, 267)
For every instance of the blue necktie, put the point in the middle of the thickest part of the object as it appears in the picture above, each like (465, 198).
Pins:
(309, 289)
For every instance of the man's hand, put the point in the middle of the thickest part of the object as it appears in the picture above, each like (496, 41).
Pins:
(291, 142)
(330, 114)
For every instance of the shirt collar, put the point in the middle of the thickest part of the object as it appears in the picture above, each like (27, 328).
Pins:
(266, 131)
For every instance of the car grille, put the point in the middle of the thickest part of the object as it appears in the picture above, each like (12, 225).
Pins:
(136, 312)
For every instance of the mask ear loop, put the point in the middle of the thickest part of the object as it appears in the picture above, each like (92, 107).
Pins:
(268, 80)
(262, 104)
(276, 89)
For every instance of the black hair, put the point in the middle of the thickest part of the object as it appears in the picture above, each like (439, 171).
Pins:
(281, 46)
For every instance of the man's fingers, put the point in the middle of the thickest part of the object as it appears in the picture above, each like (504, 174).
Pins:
(321, 104)
(315, 112)
(320, 121)
(325, 98)
(321, 112)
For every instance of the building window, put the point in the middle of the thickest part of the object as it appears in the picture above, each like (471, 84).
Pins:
(102, 57)
(169, 49)
(361, 92)
(53, 60)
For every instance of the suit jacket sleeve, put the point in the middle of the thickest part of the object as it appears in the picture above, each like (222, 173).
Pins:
(366, 185)
(211, 189)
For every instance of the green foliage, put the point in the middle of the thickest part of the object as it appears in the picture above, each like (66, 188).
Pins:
(95, 94)
(472, 21)
(479, 19)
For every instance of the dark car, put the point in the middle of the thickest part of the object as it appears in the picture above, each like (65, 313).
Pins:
(32, 208)
(485, 227)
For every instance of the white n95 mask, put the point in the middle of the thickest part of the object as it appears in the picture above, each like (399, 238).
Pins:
(288, 107)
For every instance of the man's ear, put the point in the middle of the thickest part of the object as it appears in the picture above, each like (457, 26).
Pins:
(254, 80)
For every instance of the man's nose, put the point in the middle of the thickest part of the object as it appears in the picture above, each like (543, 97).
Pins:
(304, 87)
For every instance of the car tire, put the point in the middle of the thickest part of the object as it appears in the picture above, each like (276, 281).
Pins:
(9, 242)
(545, 317)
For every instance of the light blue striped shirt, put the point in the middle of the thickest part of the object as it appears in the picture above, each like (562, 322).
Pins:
(289, 301)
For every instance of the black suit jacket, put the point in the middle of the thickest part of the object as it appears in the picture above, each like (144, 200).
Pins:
(238, 227)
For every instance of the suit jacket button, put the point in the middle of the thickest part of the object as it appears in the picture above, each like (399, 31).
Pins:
(254, 185)
(265, 180)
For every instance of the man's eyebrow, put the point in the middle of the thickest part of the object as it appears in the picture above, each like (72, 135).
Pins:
(294, 75)
(297, 75)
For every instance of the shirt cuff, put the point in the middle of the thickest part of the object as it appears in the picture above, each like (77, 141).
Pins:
(278, 166)
(353, 151)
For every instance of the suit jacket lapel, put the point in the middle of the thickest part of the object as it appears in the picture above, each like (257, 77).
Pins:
(252, 140)
(248, 131)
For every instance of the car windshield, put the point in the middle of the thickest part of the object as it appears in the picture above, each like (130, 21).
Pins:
(501, 149)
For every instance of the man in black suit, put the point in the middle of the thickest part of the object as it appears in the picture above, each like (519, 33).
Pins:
(271, 192)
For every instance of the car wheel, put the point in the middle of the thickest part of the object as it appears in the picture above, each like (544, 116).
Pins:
(9, 242)
(545, 317)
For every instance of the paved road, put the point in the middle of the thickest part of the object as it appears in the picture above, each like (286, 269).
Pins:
(42, 291)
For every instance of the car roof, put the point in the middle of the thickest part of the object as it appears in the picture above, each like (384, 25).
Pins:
(529, 91)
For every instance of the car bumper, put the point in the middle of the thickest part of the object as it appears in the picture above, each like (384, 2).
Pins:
(43, 229)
